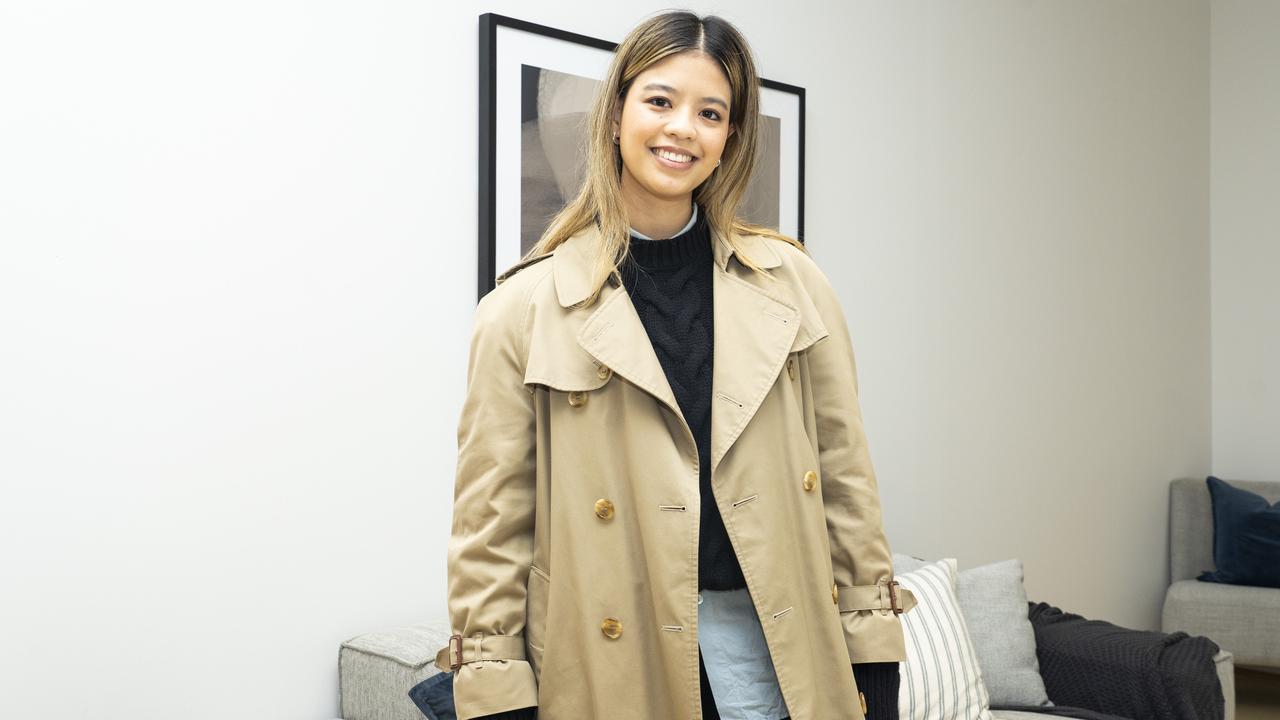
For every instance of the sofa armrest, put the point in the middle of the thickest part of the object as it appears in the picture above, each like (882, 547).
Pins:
(377, 669)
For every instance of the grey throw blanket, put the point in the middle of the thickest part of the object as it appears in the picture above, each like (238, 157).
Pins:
(1091, 667)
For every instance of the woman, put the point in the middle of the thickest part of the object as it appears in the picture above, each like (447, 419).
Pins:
(664, 505)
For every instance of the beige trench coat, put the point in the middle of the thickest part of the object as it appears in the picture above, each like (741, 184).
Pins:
(573, 559)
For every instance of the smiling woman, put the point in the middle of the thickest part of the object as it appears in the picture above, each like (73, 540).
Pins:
(664, 504)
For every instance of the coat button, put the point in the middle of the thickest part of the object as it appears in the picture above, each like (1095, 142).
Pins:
(603, 372)
(810, 480)
(604, 509)
(612, 628)
(577, 398)
(835, 594)
(791, 367)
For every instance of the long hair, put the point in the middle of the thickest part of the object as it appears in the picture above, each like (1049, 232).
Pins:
(600, 197)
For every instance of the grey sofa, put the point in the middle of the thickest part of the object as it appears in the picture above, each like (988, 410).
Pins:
(1242, 620)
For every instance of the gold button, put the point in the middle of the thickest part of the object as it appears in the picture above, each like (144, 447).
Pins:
(577, 398)
(603, 372)
(810, 480)
(835, 594)
(604, 509)
(791, 367)
(612, 628)
(863, 699)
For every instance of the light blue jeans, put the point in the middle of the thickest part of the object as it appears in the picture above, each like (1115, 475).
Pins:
(739, 668)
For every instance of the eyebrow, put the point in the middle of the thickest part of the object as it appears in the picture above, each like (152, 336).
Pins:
(673, 91)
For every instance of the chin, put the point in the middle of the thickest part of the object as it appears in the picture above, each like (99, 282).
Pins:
(668, 190)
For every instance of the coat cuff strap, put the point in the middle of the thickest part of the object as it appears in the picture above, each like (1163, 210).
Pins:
(885, 597)
(461, 651)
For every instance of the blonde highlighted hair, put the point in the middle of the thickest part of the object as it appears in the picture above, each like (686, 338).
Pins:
(600, 197)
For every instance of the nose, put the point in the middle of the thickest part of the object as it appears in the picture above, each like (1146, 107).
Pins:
(680, 126)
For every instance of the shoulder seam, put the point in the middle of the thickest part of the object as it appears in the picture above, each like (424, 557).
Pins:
(506, 274)
(524, 312)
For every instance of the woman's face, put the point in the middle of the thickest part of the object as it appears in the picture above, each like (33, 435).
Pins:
(680, 104)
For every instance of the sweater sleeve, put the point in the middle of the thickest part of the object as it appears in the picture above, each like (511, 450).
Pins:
(878, 682)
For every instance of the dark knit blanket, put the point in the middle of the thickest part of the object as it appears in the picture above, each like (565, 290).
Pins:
(1135, 674)
(1060, 711)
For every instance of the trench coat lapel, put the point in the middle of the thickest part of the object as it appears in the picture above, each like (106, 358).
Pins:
(613, 333)
(754, 331)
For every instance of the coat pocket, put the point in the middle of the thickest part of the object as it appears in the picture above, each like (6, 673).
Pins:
(535, 627)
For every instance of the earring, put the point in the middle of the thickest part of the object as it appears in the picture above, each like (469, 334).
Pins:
(717, 163)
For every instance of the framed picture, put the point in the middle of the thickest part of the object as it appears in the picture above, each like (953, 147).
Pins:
(536, 88)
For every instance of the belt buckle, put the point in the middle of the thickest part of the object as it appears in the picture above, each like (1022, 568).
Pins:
(454, 664)
(893, 598)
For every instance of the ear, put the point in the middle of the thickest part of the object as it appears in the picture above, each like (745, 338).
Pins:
(732, 129)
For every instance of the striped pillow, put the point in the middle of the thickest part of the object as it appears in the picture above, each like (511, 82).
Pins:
(941, 679)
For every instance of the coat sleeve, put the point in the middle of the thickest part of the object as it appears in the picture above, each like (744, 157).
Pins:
(491, 545)
(860, 555)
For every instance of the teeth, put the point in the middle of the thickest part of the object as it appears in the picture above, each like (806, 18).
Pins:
(673, 157)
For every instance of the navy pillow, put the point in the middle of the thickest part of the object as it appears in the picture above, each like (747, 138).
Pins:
(434, 697)
(1246, 537)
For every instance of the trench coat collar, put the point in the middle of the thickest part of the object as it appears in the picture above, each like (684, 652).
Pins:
(755, 329)
(576, 256)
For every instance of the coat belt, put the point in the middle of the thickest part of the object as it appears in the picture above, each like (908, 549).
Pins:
(883, 596)
(461, 651)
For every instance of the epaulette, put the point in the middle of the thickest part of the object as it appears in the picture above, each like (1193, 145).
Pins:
(520, 266)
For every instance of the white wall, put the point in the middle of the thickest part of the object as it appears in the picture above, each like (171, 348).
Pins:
(1246, 239)
(1024, 262)
(234, 325)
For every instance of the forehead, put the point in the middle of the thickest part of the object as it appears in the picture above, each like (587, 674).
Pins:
(687, 73)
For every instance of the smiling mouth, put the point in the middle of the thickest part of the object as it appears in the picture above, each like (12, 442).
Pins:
(668, 162)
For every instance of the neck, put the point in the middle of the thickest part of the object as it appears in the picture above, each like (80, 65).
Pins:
(658, 217)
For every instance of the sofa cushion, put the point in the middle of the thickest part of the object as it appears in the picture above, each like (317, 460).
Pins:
(908, 563)
(994, 603)
(941, 678)
(1239, 618)
(1246, 537)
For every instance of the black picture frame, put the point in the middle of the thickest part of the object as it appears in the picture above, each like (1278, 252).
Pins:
(529, 160)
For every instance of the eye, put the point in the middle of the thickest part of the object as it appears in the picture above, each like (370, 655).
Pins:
(714, 113)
